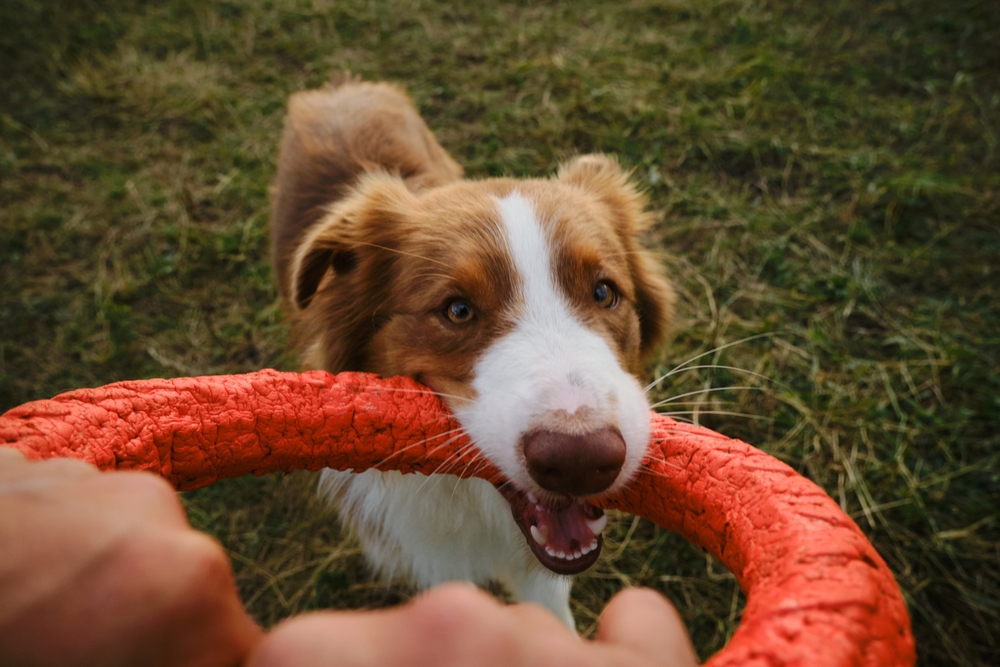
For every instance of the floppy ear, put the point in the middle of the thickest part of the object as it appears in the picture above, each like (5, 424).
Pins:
(654, 299)
(332, 137)
(368, 219)
(603, 177)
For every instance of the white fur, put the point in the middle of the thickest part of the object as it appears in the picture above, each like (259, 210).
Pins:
(434, 529)
(442, 528)
(550, 362)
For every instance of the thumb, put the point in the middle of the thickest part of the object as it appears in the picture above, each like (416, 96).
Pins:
(642, 620)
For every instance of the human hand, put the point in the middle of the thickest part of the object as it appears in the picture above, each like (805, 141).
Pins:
(103, 569)
(456, 624)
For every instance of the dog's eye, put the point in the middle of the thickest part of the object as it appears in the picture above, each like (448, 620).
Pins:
(459, 311)
(604, 295)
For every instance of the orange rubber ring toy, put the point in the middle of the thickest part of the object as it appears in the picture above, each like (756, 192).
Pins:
(818, 594)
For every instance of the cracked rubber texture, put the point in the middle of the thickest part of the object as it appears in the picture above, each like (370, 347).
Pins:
(818, 593)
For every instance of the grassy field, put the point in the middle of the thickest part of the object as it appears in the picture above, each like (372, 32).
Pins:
(824, 173)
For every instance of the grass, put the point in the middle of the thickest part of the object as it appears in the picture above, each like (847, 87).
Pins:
(824, 173)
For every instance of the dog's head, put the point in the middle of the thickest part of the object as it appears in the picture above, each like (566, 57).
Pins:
(527, 305)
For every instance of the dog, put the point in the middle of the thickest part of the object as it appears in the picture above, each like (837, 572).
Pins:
(528, 305)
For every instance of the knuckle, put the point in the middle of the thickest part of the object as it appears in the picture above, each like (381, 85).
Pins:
(149, 486)
(453, 612)
(186, 566)
(147, 494)
(537, 615)
(201, 577)
(11, 455)
(66, 467)
(646, 598)
(206, 563)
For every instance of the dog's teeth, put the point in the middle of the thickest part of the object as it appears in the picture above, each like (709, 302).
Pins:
(577, 554)
(593, 545)
(584, 551)
(540, 534)
(561, 554)
(597, 525)
(531, 498)
(550, 551)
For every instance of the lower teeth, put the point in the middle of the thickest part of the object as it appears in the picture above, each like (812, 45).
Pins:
(571, 556)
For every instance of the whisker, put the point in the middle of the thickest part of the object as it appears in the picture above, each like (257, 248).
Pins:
(402, 252)
(478, 459)
(715, 412)
(719, 348)
(421, 443)
(668, 433)
(700, 367)
(694, 403)
(702, 391)
(436, 448)
(433, 437)
(422, 391)
(458, 454)
(685, 420)
(480, 462)
(646, 470)
(655, 473)
(448, 460)
(507, 483)
(656, 459)
(462, 451)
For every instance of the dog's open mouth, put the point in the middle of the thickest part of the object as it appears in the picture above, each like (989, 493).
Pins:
(564, 536)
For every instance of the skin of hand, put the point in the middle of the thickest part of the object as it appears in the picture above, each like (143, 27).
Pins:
(457, 624)
(103, 569)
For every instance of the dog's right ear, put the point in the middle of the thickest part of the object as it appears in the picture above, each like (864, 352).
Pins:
(370, 218)
(603, 176)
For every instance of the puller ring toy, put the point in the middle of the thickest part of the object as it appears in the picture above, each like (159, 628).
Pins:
(818, 594)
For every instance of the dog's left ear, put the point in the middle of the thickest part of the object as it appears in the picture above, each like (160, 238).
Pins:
(372, 217)
(604, 178)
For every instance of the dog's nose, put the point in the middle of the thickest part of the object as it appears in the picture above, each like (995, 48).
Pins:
(574, 465)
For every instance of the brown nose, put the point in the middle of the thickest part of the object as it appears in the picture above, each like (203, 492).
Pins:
(574, 465)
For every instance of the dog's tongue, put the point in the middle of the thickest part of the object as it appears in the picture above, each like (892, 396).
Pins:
(566, 538)
(567, 532)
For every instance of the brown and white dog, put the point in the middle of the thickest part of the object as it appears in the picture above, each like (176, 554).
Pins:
(526, 304)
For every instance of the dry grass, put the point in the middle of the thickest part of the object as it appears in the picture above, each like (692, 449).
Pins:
(824, 173)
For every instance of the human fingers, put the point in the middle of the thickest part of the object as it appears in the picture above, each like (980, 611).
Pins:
(14, 464)
(68, 486)
(58, 526)
(103, 568)
(10, 456)
(135, 497)
(409, 635)
(644, 621)
(470, 626)
(195, 616)
(159, 598)
(452, 625)
(71, 503)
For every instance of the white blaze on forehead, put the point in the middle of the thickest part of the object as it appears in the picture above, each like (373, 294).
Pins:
(549, 362)
(546, 320)
(530, 251)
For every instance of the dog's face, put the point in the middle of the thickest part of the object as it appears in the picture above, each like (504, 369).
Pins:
(526, 304)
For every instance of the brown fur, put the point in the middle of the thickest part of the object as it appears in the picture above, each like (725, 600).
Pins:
(653, 295)
(332, 137)
(375, 235)
(370, 269)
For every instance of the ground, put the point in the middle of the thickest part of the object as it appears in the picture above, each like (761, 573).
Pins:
(826, 183)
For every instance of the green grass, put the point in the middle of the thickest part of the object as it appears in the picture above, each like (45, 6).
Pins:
(826, 173)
